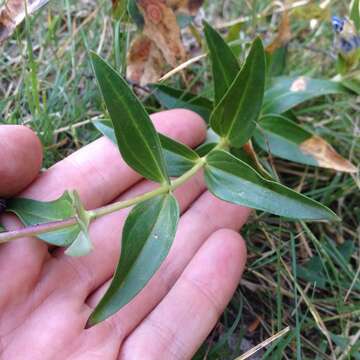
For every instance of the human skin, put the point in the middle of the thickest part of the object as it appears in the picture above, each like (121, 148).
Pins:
(46, 297)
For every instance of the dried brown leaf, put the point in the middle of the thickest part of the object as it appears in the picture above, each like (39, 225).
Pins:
(145, 61)
(283, 36)
(326, 155)
(13, 12)
(162, 28)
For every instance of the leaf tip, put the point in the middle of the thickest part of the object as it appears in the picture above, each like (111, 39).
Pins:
(206, 25)
(90, 323)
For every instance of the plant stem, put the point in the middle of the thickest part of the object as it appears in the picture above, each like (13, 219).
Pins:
(105, 210)
(141, 198)
(36, 229)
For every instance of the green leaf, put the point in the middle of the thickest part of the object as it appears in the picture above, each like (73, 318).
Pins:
(147, 237)
(178, 157)
(251, 159)
(234, 117)
(282, 138)
(32, 212)
(82, 245)
(171, 98)
(313, 272)
(287, 140)
(233, 180)
(352, 84)
(137, 139)
(276, 61)
(106, 128)
(224, 64)
(355, 13)
(287, 92)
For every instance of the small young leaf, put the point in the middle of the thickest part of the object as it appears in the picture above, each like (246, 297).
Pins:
(147, 237)
(32, 212)
(224, 64)
(287, 140)
(178, 157)
(233, 180)
(138, 141)
(287, 92)
(106, 128)
(276, 62)
(171, 98)
(82, 245)
(234, 117)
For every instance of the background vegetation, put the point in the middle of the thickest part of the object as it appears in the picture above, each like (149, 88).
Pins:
(305, 276)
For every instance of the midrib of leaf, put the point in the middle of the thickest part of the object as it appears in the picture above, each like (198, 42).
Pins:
(223, 69)
(139, 132)
(151, 232)
(164, 201)
(279, 137)
(241, 102)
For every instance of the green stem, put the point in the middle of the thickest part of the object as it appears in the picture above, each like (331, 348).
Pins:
(35, 230)
(149, 195)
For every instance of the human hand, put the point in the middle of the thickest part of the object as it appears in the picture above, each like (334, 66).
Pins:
(47, 297)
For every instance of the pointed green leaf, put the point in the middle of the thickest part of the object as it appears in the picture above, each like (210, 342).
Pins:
(171, 98)
(224, 64)
(232, 180)
(287, 140)
(235, 116)
(32, 212)
(82, 245)
(178, 157)
(106, 128)
(287, 92)
(137, 139)
(147, 237)
(276, 62)
(352, 83)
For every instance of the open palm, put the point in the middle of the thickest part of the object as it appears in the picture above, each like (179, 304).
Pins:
(46, 297)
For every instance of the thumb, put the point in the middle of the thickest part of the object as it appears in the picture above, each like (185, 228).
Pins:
(20, 158)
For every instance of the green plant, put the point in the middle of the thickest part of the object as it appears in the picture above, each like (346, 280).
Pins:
(232, 171)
